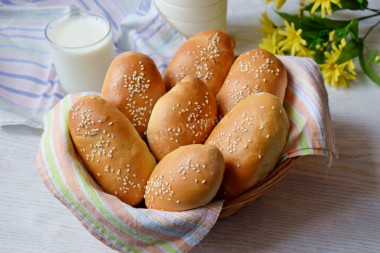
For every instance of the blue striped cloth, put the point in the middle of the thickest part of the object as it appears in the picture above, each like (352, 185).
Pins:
(29, 86)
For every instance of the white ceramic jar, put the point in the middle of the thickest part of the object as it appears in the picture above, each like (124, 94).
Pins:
(192, 16)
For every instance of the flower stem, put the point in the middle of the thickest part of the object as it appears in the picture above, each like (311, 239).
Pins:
(374, 10)
(370, 29)
(370, 16)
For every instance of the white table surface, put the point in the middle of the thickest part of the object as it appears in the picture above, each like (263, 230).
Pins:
(313, 209)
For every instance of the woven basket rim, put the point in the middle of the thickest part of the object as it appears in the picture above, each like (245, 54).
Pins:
(231, 207)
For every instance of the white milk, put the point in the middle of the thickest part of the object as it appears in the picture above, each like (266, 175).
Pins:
(82, 50)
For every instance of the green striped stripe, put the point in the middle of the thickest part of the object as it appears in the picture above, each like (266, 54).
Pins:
(304, 146)
(95, 198)
(66, 192)
(192, 234)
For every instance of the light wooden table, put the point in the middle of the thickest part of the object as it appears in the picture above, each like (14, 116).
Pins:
(313, 209)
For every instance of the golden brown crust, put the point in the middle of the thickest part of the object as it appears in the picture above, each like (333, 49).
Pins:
(251, 137)
(207, 55)
(185, 115)
(111, 149)
(252, 72)
(187, 178)
(133, 84)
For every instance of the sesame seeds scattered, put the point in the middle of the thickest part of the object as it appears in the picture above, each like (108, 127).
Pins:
(138, 86)
(197, 118)
(202, 57)
(160, 186)
(257, 71)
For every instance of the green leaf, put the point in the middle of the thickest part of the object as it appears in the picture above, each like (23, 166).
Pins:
(368, 69)
(350, 51)
(346, 5)
(334, 24)
(351, 5)
(372, 57)
(319, 56)
(313, 22)
(353, 29)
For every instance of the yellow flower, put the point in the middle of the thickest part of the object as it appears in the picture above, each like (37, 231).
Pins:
(377, 59)
(331, 35)
(325, 6)
(293, 40)
(279, 3)
(270, 43)
(336, 74)
(267, 24)
(305, 52)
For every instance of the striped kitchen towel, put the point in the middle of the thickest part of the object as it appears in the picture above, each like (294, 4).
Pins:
(29, 85)
(306, 103)
(129, 229)
(113, 222)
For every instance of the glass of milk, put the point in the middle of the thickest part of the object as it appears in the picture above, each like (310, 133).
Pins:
(82, 50)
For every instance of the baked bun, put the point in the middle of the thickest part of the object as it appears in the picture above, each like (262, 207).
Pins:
(184, 115)
(133, 84)
(253, 71)
(111, 149)
(251, 137)
(187, 178)
(207, 55)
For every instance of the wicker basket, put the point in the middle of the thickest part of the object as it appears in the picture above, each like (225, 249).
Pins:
(246, 199)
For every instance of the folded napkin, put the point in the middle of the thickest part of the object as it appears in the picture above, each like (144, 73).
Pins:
(29, 85)
(125, 228)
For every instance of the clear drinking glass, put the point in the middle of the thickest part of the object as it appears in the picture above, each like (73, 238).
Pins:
(82, 49)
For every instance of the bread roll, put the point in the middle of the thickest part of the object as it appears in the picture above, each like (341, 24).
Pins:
(185, 115)
(111, 149)
(133, 84)
(187, 178)
(251, 137)
(254, 71)
(207, 55)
